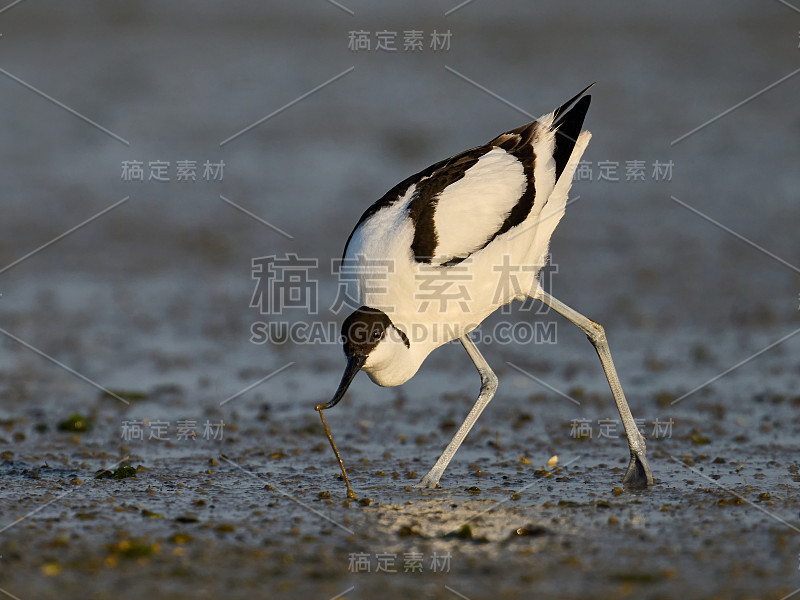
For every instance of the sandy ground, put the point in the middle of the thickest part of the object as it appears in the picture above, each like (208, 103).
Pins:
(139, 322)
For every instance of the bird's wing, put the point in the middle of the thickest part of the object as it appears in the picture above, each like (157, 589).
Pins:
(464, 204)
(459, 205)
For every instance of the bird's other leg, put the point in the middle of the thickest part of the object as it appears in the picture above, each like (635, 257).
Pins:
(488, 388)
(638, 473)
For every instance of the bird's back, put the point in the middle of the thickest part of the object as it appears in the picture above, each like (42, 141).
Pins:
(493, 204)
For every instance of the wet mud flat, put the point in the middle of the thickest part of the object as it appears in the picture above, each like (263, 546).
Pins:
(261, 510)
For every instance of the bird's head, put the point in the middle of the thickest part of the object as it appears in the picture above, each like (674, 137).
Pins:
(369, 340)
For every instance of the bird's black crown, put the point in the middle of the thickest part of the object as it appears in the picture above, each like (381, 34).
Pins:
(363, 329)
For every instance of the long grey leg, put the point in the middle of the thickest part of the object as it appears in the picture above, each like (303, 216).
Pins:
(488, 388)
(638, 472)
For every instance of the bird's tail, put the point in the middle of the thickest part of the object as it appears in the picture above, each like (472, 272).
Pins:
(567, 123)
(567, 143)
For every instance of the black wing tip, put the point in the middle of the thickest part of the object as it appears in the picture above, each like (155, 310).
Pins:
(573, 119)
(561, 110)
(568, 128)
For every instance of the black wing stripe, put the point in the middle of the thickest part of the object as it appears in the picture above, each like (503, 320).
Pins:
(522, 150)
(422, 208)
(392, 196)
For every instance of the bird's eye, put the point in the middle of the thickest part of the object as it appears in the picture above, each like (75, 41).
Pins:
(376, 334)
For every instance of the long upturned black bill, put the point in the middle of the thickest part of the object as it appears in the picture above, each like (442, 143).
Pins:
(354, 364)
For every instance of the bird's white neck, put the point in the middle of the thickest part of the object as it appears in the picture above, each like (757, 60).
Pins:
(393, 362)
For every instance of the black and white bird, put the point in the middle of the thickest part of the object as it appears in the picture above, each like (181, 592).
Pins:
(483, 219)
